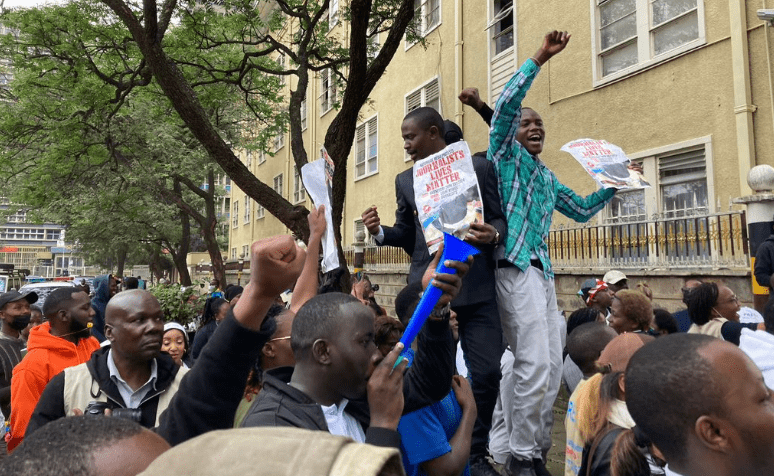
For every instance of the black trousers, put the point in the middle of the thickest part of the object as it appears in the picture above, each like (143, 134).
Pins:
(482, 343)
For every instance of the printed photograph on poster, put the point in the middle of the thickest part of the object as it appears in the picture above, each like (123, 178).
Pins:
(607, 164)
(447, 195)
(3, 284)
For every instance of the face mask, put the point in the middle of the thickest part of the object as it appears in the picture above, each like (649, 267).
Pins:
(20, 322)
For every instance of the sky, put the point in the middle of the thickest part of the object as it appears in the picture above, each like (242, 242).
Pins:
(25, 3)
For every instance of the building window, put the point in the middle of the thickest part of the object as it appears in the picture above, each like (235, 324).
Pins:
(279, 141)
(328, 90)
(428, 95)
(278, 184)
(245, 252)
(247, 210)
(501, 26)
(281, 67)
(260, 212)
(681, 187)
(373, 47)
(333, 13)
(261, 157)
(633, 34)
(427, 16)
(299, 192)
(233, 253)
(249, 158)
(235, 216)
(303, 115)
(366, 148)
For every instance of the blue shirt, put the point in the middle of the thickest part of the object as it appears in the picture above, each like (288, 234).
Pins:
(425, 433)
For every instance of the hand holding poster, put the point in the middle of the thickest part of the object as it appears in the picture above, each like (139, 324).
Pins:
(606, 163)
(318, 181)
(447, 195)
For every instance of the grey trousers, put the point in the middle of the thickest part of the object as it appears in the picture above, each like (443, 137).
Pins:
(533, 328)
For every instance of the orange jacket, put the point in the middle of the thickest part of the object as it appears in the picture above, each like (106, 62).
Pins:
(47, 355)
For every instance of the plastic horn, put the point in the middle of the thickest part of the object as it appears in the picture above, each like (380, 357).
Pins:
(453, 249)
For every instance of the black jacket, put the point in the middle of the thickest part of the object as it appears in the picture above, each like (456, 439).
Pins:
(478, 284)
(51, 405)
(208, 395)
(764, 262)
(427, 381)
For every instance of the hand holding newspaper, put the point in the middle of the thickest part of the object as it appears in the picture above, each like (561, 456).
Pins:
(318, 181)
(607, 164)
(446, 194)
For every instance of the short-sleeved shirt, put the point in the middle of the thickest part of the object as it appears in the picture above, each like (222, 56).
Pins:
(425, 433)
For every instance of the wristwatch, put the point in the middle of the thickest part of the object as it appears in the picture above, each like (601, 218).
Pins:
(496, 239)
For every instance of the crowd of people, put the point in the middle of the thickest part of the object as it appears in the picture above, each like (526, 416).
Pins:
(321, 384)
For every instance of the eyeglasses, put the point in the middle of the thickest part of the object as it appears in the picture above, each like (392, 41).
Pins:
(279, 338)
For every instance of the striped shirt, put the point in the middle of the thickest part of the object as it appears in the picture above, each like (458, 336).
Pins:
(529, 191)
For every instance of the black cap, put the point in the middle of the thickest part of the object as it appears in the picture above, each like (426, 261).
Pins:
(13, 296)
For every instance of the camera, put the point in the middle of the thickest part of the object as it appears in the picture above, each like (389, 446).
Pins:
(98, 408)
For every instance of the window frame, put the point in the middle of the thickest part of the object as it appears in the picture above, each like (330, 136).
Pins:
(333, 14)
(246, 211)
(366, 125)
(649, 160)
(304, 115)
(279, 141)
(646, 57)
(327, 94)
(260, 211)
(299, 191)
(422, 15)
(281, 184)
(492, 27)
(369, 238)
(235, 214)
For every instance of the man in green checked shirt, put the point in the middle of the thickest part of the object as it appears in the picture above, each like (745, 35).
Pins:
(531, 322)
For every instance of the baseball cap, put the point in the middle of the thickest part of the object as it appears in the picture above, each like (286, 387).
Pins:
(613, 277)
(13, 296)
(590, 288)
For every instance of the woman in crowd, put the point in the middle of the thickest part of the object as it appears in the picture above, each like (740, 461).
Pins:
(215, 310)
(611, 443)
(175, 343)
(714, 311)
(631, 311)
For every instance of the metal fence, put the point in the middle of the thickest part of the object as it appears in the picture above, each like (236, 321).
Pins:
(381, 258)
(716, 241)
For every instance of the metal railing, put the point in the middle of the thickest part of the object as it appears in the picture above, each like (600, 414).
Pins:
(698, 240)
(693, 240)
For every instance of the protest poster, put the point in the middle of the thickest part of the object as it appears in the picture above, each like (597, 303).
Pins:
(606, 163)
(318, 181)
(446, 194)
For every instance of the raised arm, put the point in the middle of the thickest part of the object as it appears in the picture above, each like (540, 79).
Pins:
(306, 286)
(507, 112)
(581, 209)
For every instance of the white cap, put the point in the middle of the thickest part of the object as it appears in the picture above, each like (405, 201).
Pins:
(613, 276)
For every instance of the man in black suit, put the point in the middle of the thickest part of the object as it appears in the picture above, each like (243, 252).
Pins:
(424, 134)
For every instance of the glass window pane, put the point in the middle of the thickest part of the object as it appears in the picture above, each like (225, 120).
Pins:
(360, 169)
(664, 10)
(614, 10)
(504, 40)
(676, 33)
(619, 59)
(435, 103)
(619, 31)
(680, 198)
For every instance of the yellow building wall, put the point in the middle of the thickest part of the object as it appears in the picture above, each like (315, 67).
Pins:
(685, 97)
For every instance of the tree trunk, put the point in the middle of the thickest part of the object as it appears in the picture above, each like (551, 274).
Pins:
(209, 233)
(121, 258)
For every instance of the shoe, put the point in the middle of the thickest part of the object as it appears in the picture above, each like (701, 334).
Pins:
(540, 467)
(480, 466)
(519, 467)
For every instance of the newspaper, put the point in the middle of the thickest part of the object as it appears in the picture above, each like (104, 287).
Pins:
(446, 194)
(606, 163)
(318, 181)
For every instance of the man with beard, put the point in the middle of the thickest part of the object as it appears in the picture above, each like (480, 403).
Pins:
(61, 342)
(131, 373)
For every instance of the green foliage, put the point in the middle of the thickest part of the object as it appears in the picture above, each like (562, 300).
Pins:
(180, 304)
